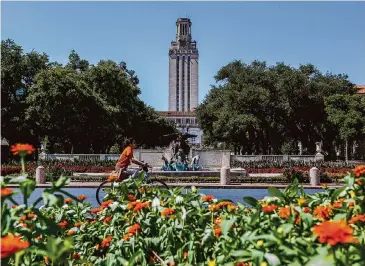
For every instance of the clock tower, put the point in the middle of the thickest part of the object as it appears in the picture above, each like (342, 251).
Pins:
(183, 69)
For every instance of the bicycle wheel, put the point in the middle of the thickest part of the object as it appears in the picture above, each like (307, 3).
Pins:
(100, 188)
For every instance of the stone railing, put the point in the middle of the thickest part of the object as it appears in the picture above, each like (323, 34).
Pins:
(208, 158)
(277, 158)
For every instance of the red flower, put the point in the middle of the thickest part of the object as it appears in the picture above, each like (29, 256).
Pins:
(22, 149)
(208, 198)
(357, 218)
(217, 231)
(107, 219)
(11, 244)
(134, 229)
(360, 170)
(6, 192)
(106, 242)
(63, 224)
(334, 232)
(167, 211)
(105, 204)
(76, 256)
(269, 208)
(78, 224)
(71, 232)
(67, 201)
(81, 197)
(306, 210)
(131, 197)
(95, 210)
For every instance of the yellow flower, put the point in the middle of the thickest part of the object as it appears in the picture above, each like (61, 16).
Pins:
(352, 194)
(211, 263)
(280, 230)
(260, 243)
(302, 201)
(264, 263)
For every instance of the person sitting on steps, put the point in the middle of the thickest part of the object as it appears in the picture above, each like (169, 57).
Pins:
(125, 159)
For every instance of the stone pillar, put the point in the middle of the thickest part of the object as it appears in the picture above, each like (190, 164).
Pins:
(40, 175)
(225, 175)
(314, 176)
(319, 157)
(226, 159)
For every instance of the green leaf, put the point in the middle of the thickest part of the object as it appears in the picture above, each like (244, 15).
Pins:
(251, 200)
(340, 216)
(226, 225)
(27, 187)
(62, 181)
(336, 193)
(276, 192)
(240, 253)
(52, 199)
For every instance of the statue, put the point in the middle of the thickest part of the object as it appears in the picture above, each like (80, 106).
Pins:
(180, 149)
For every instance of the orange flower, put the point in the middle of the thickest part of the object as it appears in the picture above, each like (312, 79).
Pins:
(46, 259)
(95, 210)
(218, 221)
(107, 219)
(76, 256)
(269, 208)
(31, 215)
(134, 229)
(360, 170)
(11, 244)
(334, 232)
(127, 236)
(112, 178)
(217, 231)
(131, 197)
(167, 211)
(322, 212)
(106, 242)
(105, 204)
(63, 224)
(208, 198)
(22, 149)
(71, 232)
(284, 212)
(186, 254)
(357, 218)
(14, 206)
(81, 197)
(6, 192)
(140, 205)
(78, 224)
(146, 188)
(67, 201)
(338, 203)
(359, 182)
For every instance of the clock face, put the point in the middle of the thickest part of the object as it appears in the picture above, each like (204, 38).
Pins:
(183, 43)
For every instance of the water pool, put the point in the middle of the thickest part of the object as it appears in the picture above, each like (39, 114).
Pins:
(235, 195)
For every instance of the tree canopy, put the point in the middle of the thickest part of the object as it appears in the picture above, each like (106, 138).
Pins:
(79, 107)
(261, 109)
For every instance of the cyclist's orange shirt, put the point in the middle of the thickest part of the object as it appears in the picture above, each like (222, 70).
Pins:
(125, 158)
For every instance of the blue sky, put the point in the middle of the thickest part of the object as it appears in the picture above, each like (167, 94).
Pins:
(329, 35)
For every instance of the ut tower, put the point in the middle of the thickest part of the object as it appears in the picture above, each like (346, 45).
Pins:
(183, 69)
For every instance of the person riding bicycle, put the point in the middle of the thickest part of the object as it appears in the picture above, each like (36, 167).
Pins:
(126, 158)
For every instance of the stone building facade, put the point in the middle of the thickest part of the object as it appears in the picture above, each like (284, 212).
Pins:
(183, 69)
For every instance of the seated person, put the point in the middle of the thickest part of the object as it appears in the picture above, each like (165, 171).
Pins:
(126, 158)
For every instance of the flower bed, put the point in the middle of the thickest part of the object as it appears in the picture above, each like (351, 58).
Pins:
(141, 225)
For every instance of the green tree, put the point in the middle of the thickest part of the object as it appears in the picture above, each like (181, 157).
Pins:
(258, 108)
(347, 113)
(18, 70)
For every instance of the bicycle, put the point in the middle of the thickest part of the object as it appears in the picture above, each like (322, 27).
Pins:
(123, 177)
